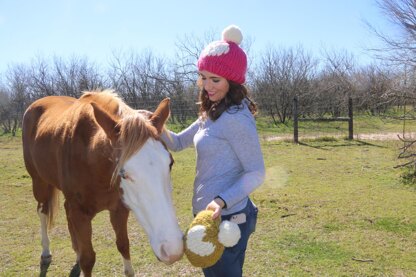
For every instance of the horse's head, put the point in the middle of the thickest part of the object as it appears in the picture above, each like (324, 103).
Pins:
(144, 167)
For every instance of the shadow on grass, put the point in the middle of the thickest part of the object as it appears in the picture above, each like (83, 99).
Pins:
(324, 144)
(408, 177)
(76, 271)
(44, 266)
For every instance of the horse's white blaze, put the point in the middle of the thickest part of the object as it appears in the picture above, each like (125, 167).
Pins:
(147, 192)
(44, 234)
(195, 243)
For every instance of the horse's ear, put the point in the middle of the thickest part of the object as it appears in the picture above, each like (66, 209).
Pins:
(161, 115)
(107, 122)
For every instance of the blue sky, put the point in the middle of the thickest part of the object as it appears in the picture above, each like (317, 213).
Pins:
(95, 28)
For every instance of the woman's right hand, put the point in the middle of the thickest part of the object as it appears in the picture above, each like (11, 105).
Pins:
(216, 205)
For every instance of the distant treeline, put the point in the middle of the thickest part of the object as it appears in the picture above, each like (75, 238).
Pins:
(322, 84)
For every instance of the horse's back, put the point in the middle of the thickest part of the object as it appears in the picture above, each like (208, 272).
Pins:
(64, 146)
(39, 132)
(53, 105)
(42, 115)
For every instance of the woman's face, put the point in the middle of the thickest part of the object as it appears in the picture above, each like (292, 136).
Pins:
(216, 86)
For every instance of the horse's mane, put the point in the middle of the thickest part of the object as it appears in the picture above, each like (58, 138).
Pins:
(135, 129)
(108, 100)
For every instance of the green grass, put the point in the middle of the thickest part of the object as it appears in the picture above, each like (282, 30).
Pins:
(327, 208)
(339, 201)
(363, 124)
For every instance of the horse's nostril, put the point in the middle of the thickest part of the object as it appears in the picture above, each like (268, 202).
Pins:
(167, 257)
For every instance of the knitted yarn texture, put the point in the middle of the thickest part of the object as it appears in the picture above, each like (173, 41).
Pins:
(225, 57)
(206, 238)
(202, 247)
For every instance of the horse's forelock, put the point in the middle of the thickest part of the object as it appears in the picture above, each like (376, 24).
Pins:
(134, 132)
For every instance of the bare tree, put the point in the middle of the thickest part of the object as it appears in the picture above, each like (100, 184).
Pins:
(74, 76)
(399, 47)
(334, 83)
(141, 79)
(182, 92)
(281, 75)
(188, 49)
(374, 89)
(6, 118)
(15, 92)
(41, 79)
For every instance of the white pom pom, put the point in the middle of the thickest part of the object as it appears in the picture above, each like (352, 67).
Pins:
(232, 33)
(195, 241)
(229, 233)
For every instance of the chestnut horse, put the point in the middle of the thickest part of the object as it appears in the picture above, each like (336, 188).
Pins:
(102, 155)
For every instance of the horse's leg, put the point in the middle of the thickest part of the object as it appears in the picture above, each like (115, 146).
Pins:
(45, 257)
(80, 228)
(118, 220)
(75, 269)
(46, 196)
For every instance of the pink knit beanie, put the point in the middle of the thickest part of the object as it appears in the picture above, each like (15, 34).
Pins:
(225, 57)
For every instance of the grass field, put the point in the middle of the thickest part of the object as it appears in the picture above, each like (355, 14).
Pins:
(363, 124)
(327, 208)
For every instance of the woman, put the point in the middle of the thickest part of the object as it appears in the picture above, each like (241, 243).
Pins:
(229, 163)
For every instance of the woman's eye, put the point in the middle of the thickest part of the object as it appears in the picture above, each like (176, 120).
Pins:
(216, 80)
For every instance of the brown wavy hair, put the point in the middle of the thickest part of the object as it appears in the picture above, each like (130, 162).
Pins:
(234, 97)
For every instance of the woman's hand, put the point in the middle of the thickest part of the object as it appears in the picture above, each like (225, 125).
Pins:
(216, 205)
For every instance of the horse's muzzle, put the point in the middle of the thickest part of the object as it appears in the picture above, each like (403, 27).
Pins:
(167, 258)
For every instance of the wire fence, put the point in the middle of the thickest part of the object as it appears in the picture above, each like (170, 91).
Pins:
(345, 122)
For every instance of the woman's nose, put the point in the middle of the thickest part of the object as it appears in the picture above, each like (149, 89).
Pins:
(207, 85)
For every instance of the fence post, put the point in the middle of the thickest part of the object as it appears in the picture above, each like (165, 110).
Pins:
(350, 120)
(295, 120)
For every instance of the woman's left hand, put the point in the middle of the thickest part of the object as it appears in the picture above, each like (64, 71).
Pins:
(216, 205)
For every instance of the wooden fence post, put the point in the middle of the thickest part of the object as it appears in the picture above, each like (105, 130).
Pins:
(350, 120)
(295, 120)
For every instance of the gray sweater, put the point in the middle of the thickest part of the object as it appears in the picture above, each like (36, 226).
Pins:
(229, 162)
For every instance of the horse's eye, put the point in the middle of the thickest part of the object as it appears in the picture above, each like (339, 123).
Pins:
(124, 175)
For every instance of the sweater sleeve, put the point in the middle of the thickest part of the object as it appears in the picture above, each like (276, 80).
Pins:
(178, 142)
(242, 135)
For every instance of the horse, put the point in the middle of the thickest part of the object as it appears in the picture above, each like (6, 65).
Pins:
(102, 155)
